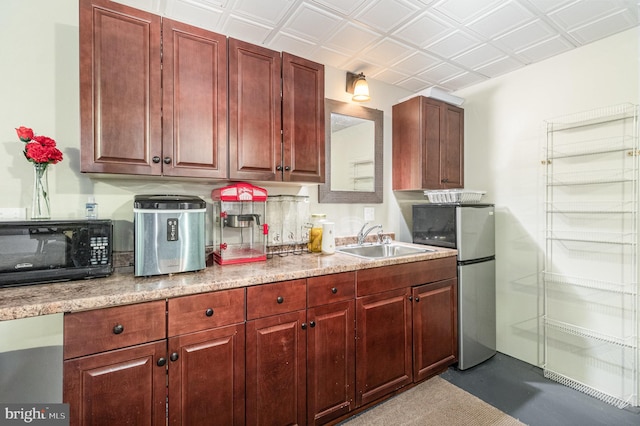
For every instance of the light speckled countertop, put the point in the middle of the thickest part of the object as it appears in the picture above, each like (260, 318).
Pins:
(123, 288)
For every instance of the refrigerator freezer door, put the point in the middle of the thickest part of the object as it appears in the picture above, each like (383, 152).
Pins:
(477, 313)
(475, 232)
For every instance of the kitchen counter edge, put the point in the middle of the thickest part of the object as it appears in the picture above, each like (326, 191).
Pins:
(122, 288)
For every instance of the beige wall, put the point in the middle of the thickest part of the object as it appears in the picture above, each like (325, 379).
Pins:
(504, 135)
(39, 89)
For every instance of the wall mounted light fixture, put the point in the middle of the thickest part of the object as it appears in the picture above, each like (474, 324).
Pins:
(358, 86)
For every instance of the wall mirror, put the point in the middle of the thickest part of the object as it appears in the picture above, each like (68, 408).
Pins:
(354, 154)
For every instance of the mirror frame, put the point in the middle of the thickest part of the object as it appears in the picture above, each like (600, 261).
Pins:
(325, 194)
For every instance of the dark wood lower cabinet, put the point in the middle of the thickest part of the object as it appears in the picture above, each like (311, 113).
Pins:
(276, 370)
(435, 327)
(301, 352)
(330, 362)
(383, 344)
(119, 387)
(206, 377)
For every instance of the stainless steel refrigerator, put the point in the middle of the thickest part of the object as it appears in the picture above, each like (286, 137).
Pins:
(469, 228)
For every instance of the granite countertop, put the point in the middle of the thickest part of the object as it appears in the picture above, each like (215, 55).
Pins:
(123, 288)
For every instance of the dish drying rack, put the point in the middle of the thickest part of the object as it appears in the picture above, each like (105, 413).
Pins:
(454, 196)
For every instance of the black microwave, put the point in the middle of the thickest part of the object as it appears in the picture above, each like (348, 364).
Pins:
(43, 251)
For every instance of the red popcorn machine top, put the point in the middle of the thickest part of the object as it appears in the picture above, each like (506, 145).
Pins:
(239, 231)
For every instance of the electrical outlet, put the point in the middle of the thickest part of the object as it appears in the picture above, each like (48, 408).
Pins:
(369, 214)
(13, 213)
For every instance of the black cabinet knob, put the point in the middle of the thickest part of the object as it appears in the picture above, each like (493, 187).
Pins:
(304, 325)
(209, 312)
(161, 362)
(279, 168)
(173, 356)
(334, 290)
(167, 160)
(312, 324)
(118, 329)
(156, 159)
(417, 299)
(280, 299)
(287, 168)
(410, 298)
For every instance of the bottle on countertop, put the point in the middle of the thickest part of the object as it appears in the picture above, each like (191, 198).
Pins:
(315, 234)
(91, 208)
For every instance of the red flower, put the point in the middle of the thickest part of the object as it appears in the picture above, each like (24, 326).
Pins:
(39, 149)
(44, 141)
(24, 133)
(39, 153)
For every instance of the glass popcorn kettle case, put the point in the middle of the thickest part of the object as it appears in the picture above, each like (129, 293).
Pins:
(239, 231)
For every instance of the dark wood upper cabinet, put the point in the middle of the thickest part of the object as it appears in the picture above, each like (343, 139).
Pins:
(254, 111)
(153, 94)
(428, 145)
(120, 88)
(302, 120)
(194, 90)
(159, 97)
(276, 115)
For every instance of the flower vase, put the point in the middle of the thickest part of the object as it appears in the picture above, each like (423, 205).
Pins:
(40, 208)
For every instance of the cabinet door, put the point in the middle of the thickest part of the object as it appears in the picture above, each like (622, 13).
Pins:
(428, 145)
(276, 370)
(452, 147)
(330, 361)
(120, 89)
(206, 377)
(302, 120)
(433, 125)
(435, 328)
(124, 387)
(255, 142)
(194, 96)
(383, 344)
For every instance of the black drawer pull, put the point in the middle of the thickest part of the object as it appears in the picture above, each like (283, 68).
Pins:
(161, 362)
(334, 290)
(280, 299)
(209, 312)
(118, 329)
(174, 356)
(312, 324)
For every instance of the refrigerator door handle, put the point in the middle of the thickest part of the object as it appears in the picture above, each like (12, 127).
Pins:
(472, 261)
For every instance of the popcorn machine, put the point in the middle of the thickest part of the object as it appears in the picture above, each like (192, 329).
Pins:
(239, 231)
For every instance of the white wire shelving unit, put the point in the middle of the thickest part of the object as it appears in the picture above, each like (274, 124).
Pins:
(590, 276)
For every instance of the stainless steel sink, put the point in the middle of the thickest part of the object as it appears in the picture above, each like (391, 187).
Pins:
(381, 251)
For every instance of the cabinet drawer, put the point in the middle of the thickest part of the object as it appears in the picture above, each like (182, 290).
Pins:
(111, 328)
(199, 312)
(331, 288)
(272, 299)
(376, 280)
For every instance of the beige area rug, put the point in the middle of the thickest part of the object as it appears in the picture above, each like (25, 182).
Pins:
(434, 402)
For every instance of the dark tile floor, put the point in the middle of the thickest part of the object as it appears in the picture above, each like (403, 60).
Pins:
(522, 391)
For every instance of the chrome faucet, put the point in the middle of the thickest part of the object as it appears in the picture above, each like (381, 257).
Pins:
(363, 234)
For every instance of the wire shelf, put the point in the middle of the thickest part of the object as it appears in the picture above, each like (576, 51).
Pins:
(593, 117)
(567, 280)
(584, 261)
(594, 207)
